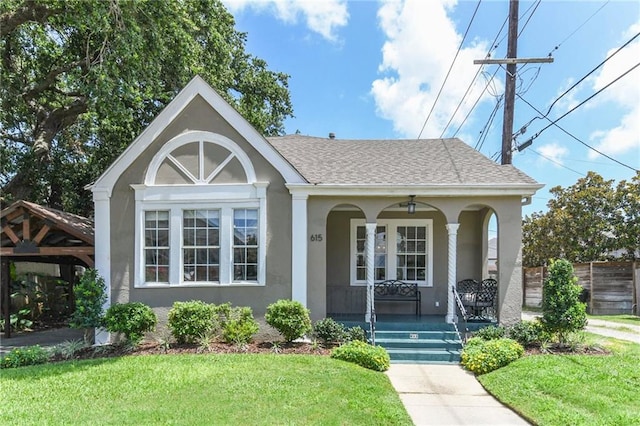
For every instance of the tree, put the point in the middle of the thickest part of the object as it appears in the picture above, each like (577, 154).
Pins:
(627, 217)
(562, 311)
(90, 295)
(82, 78)
(587, 221)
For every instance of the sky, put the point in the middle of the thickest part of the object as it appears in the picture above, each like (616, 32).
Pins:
(378, 70)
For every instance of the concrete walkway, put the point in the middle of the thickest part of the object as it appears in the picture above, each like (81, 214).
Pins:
(442, 394)
(44, 338)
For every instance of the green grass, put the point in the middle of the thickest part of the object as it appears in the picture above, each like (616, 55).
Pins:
(200, 389)
(622, 319)
(573, 389)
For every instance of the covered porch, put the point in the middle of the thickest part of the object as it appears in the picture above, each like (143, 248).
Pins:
(355, 242)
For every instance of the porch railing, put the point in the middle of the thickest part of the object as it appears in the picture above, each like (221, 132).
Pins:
(343, 299)
(461, 312)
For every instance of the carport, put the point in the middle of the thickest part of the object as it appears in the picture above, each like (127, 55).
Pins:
(34, 233)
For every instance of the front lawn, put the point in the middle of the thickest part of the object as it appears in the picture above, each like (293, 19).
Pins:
(573, 389)
(200, 389)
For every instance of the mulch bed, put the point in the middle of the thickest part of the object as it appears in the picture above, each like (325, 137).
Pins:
(150, 348)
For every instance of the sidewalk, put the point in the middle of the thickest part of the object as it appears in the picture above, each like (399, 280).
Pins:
(441, 394)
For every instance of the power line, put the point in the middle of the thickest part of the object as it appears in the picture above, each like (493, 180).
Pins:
(450, 68)
(579, 27)
(556, 162)
(554, 122)
(485, 130)
(493, 47)
(580, 81)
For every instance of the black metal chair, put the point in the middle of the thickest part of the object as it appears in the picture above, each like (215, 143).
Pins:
(467, 290)
(486, 299)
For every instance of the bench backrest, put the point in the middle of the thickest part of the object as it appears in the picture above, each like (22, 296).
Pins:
(395, 288)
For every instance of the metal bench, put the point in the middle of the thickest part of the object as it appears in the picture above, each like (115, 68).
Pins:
(398, 291)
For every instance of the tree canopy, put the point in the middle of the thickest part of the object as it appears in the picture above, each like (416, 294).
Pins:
(82, 78)
(588, 221)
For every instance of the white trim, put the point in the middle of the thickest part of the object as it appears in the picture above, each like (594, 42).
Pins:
(391, 225)
(196, 87)
(201, 137)
(299, 249)
(175, 199)
(102, 253)
(417, 190)
(369, 254)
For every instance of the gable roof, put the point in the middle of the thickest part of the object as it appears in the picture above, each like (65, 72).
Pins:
(196, 87)
(423, 162)
(75, 226)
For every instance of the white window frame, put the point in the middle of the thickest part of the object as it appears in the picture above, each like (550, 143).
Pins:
(391, 227)
(176, 199)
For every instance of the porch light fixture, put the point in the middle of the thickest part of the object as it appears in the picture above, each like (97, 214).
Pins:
(411, 205)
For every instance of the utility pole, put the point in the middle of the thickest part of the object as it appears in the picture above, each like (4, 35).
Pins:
(510, 79)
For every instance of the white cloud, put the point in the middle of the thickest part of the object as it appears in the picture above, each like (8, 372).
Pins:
(625, 95)
(422, 40)
(554, 152)
(321, 16)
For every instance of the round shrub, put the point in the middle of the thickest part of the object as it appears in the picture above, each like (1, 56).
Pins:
(131, 319)
(528, 333)
(29, 355)
(189, 321)
(290, 318)
(361, 353)
(356, 334)
(329, 331)
(482, 357)
(239, 326)
(490, 333)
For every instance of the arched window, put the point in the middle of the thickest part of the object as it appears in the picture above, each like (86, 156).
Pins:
(201, 215)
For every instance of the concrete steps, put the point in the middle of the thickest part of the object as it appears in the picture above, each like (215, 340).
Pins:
(416, 342)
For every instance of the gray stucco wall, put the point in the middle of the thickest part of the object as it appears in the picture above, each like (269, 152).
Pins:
(200, 116)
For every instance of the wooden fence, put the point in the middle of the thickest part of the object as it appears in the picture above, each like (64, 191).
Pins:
(610, 287)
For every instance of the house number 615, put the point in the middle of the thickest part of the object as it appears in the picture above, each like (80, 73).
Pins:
(316, 237)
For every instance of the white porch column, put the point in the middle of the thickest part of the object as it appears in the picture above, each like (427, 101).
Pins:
(370, 262)
(452, 228)
(299, 248)
(102, 249)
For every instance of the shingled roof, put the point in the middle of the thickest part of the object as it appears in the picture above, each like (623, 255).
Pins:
(394, 162)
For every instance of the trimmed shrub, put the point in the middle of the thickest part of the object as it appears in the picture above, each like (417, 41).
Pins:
(131, 319)
(356, 334)
(189, 321)
(90, 295)
(482, 356)
(562, 311)
(528, 333)
(490, 333)
(28, 355)
(361, 353)
(290, 318)
(329, 331)
(239, 326)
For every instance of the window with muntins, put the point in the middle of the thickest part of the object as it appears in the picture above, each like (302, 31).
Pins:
(201, 245)
(200, 216)
(156, 246)
(402, 251)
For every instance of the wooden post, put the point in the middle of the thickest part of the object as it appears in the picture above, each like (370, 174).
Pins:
(636, 287)
(591, 288)
(5, 281)
(510, 83)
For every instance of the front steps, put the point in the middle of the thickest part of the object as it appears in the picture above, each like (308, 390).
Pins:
(417, 342)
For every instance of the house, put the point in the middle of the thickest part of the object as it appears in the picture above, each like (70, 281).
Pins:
(202, 206)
